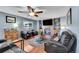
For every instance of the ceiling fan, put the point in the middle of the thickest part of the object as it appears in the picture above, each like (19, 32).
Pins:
(32, 11)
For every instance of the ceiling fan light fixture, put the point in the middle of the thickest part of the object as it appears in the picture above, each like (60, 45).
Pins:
(31, 13)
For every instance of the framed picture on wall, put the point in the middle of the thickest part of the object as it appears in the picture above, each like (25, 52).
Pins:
(28, 24)
(69, 17)
(10, 19)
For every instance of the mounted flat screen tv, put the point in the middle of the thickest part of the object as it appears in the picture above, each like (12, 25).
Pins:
(47, 22)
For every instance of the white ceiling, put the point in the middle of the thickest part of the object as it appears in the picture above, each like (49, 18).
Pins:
(48, 11)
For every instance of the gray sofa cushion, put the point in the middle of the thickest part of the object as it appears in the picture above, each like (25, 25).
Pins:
(67, 39)
(4, 44)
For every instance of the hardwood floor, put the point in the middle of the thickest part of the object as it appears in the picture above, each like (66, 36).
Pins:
(33, 49)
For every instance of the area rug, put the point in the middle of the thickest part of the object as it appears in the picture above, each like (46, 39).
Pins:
(39, 40)
(36, 42)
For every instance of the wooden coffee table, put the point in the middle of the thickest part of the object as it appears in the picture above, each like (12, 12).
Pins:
(19, 43)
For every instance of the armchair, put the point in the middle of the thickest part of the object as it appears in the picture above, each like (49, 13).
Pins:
(66, 44)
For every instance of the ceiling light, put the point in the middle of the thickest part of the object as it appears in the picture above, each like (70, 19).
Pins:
(32, 14)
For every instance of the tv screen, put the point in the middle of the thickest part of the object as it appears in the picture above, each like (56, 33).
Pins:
(47, 22)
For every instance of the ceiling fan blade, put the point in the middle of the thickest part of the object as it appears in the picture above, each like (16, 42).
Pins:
(30, 9)
(22, 11)
(36, 15)
(39, 12)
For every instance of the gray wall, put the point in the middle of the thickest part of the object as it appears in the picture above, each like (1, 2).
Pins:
(19, 20)
(75, 24)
